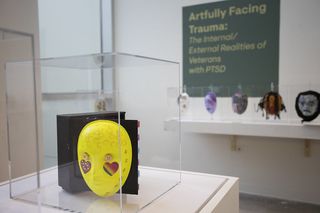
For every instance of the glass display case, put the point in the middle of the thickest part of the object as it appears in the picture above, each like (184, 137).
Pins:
(87, 133)
(13, 45)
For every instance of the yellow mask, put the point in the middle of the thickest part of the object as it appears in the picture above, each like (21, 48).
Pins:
(99, 156)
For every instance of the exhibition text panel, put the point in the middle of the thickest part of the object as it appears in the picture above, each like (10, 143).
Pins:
(231, 43)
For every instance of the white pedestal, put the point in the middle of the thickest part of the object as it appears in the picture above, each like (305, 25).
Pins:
(197, 192)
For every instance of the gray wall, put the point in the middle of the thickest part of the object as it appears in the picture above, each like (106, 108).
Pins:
(69, 27)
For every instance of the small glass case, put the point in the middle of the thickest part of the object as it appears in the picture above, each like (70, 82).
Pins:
(87, 133)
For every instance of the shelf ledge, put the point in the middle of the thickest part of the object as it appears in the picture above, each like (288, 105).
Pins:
(247, 128)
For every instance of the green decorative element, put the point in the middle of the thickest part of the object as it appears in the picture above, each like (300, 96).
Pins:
(229, 43)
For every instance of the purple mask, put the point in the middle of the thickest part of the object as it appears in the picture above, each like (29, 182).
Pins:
(210, 102)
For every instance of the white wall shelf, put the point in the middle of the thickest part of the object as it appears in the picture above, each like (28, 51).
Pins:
(247, 128)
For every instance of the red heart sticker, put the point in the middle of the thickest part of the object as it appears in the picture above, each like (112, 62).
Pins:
(111, 168)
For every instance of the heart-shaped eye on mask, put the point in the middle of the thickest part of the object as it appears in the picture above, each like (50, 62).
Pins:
(111, 168)
(85, 166)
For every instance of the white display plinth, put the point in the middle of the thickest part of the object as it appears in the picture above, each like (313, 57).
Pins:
(197, 192)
